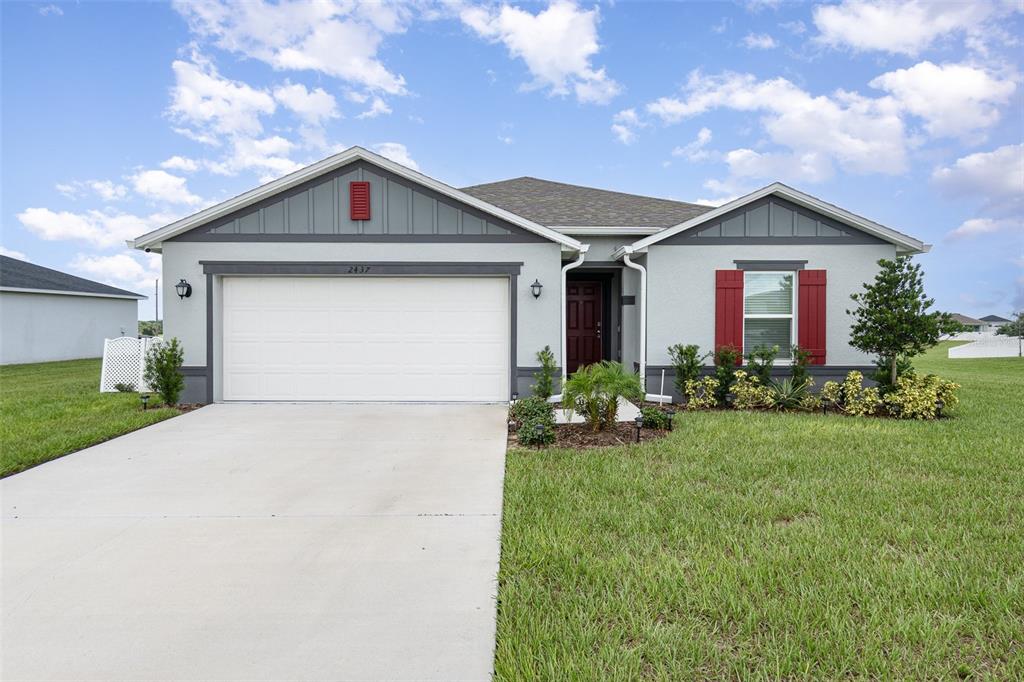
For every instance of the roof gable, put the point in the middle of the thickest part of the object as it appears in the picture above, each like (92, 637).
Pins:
(23, 276)
(557, 204)
(248, 215)
(828, 215)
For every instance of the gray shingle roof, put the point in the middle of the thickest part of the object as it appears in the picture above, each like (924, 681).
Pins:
(18, 274)
(994, 318)
(556, 203)
(964, 319)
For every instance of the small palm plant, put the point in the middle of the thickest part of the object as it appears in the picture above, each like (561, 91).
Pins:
(788, 394)
(594, 391)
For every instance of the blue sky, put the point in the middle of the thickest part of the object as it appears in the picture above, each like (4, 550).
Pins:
(120, 117)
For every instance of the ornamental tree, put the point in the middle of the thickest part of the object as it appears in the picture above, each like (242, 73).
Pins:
(1015, 328)
(892, 318)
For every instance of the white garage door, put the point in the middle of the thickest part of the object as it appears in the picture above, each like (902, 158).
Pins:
(365, 338)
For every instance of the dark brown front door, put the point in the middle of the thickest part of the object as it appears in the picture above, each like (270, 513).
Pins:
(583, 324)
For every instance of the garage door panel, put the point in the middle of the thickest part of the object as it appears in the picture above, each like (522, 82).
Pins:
(295, 338)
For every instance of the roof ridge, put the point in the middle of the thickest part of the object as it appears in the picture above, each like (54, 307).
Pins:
(588, 187)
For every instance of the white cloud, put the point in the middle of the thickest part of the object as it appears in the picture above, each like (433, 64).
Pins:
(861, 134)
(397, 152)
(720, 201)
(625, 124)
(105, 189)
(759, 41)
(900, 27)
(337, 38)
(557, 45)
(100, 228)
(212, 106)
(312, 106)
(51, 10)
(976, 227)
(123, 270)
(180, 163)
(996, 177)
(267, 156)
(953, 99)
(694, 151)
(159, 185)
(505, 139)
(377, 108)
(795, 27)
(11, 253)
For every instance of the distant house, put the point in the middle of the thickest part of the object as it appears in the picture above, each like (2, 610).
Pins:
(970, 324)
(50, 315)
(994, 322)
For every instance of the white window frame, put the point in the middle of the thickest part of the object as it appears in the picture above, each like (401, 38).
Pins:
(773, 316)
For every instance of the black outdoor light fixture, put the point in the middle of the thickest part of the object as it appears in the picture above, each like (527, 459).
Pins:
(639, 419)
(538, 429)
(825, 402)
(536, 287)
(145, 400)
(671, 414)
(183, 288)
(515, 397)
(730, 398)
(939, 404)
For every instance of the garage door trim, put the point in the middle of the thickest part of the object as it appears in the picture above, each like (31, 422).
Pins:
(353, 269)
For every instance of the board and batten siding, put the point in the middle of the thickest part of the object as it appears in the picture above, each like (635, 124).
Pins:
(322, 207)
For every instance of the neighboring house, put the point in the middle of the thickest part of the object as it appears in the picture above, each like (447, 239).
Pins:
(357, 278)
(994, 322)
(50, 315)
(969, 323)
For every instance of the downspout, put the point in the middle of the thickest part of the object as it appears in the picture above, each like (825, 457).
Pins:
(565, 326)
(643, 316)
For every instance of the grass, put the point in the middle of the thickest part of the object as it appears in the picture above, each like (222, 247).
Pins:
(767, 546)
(55, 408)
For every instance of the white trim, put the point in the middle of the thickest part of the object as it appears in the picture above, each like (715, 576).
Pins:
(904, 243)
(19, 290)
(793, 306)
(610, 230)
(326, 165)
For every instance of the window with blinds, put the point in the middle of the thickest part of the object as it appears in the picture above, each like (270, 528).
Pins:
(768, 311)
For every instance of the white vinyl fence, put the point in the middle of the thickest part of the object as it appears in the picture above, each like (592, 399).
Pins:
(124, 361)
(991, 347)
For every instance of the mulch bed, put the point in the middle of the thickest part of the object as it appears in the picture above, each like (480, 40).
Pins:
(581, 436)
(188, 407)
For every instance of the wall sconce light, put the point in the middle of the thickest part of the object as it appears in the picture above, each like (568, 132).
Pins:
(536, 287)
(183, 288)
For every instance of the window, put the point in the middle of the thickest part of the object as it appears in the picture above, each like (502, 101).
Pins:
(768, 311)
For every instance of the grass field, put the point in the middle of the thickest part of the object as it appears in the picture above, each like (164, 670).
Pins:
(53, 408)
(766, 546)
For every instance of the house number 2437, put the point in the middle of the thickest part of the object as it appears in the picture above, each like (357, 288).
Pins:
(358, 269)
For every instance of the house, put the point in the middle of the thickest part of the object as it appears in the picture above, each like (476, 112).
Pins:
(50, 315)
(994, 322)
(969, 323)
(357, 278)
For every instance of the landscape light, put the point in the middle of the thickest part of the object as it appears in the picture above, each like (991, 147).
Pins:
(145, 400)
(639, 419)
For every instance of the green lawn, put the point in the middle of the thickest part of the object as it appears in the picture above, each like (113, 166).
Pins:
(765, 546)
(53, 408)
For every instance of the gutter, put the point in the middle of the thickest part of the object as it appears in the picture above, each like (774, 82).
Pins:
(627, 251)
(565, 269)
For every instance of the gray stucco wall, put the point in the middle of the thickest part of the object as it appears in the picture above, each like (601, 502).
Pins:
(681, 288)
(539, 320)
(46, 327)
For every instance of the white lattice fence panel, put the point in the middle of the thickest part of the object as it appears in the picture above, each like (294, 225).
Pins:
(124, 362)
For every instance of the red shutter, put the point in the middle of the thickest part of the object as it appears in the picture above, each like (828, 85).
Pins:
(729, 308)
(810, 318)
(359, 200)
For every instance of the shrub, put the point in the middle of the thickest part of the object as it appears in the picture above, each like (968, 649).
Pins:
(760, 361)
(654, 418)
(530, 408)
(124, 388)
(687, 361)
(750, 392)
(701, 393)
(594, 392)
(851, 396)
(798, 370)
(883, 372)
(726, 359)
(529, 434)
(788, 394)
(914, 396)
(544, 387)
(163, 370)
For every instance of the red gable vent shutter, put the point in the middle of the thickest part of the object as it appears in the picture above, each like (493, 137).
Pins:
(359, 200)
(729, 308)
(811, 314)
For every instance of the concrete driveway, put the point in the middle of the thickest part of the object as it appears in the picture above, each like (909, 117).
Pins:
(261, 542)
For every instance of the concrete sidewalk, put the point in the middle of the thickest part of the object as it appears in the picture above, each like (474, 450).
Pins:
(261, 542)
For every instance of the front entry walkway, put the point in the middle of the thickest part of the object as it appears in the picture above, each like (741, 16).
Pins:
(261, 542)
